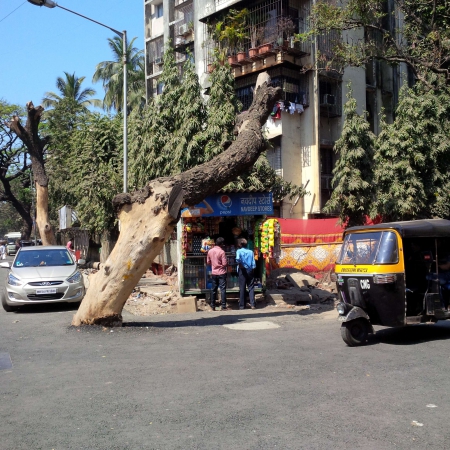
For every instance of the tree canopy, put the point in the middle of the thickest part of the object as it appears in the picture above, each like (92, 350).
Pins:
(412, 157)
(14, 170)
(70, 88)
(110, 73)
(402, 174)
(353, 174)
(401, 31)
(85, 164)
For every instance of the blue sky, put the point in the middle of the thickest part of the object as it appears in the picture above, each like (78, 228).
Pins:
(39, 44)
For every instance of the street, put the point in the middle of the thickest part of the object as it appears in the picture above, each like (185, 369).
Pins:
(188, 382)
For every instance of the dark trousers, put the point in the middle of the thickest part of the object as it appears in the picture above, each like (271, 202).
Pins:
(219, 281)
(246, 279)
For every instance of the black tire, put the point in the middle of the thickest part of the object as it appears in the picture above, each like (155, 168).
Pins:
(355, 332)
(6, 307)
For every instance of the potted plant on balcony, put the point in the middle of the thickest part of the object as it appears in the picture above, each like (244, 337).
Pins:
(256, 34)
(286, 28)
(190, 31)
(234, 32)
(268, 36)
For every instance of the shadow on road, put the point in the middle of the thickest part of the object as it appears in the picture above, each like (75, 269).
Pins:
(45, 308)
(224, 319)
(411, 335)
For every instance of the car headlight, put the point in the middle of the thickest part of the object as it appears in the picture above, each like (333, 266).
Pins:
(340, 307)
(75, 278)
(13, 281)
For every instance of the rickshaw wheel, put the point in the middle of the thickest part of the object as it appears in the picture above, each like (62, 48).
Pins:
(355, 332)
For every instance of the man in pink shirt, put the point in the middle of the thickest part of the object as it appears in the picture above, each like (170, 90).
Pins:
(218, 261)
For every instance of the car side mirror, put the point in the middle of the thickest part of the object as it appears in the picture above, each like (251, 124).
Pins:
(5, 265)
(81, 262)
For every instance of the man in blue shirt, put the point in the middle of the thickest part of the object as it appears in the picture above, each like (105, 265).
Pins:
(246, 262)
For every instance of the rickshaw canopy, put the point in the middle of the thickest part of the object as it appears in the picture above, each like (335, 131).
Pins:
(409, 229)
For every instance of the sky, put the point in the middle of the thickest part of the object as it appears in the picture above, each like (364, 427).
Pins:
(39, 44)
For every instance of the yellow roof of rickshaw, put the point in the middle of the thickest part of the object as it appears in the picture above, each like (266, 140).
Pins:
(411, 228)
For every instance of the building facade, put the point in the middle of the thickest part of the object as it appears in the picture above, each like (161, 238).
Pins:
(309, 119)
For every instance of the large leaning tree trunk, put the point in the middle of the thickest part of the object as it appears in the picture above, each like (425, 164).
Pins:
(29, 135)
(148, 216)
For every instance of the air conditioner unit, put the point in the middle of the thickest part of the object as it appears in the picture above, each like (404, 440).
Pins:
(183, 29)
(329, 99)
(158, 61)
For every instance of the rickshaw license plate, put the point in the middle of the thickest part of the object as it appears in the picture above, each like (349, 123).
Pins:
(45, 291)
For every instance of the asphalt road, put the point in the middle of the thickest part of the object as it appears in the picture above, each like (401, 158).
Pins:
(187, 382)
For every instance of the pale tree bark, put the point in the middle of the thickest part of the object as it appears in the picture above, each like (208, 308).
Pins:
(29, 135)
(147, 217)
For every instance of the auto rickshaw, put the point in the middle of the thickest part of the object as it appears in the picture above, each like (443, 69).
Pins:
(392, 274)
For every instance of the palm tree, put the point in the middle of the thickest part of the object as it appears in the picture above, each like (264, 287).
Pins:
(111, 74)
(70, 88)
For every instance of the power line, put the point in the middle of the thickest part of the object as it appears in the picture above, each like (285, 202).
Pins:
(12, 11)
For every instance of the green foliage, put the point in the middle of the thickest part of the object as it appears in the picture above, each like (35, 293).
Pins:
(403, 174)
(353, 174)
(15, 191)
(262, 177)
(177, 131)
(223, 107)
(412, 157)
(85, 164)
(172, 133)
(111, 75)
(70, 88)
(10, 219)
(423, 42)
(97, 171)
(152, 130)
(187, 143)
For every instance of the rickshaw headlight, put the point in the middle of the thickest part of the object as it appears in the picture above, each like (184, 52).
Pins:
(340, 307)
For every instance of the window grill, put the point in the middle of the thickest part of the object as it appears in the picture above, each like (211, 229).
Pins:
(274, 158)
(155, 49)
(184, 18)
(326, 60)
(272, 22)
(330, 97)
(293, 83)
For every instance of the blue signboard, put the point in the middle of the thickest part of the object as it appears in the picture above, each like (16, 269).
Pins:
(245, 204)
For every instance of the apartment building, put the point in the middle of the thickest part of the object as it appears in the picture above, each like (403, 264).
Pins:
(309, 119)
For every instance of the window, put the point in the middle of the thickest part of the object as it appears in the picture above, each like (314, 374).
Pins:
(274, 158)
(159, 10)
(377, 247)
(159, 88)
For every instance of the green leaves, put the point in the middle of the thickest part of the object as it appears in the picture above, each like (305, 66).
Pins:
(403, 174)
(413, 157)
(85, 164)
(70, 88)
(402, 31)
(110, 73)
(353, 174)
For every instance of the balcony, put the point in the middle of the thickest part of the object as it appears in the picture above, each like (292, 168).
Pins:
(294, 86)
(271, 30)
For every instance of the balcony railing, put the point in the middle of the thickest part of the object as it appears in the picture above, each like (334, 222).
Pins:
(271, 28)
(293, 84)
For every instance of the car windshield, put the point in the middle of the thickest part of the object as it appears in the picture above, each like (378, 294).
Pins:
(36, 258)
(376, 247)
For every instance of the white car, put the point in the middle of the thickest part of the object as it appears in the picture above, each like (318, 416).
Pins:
(42, 275)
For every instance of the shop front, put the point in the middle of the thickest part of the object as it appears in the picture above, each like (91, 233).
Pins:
(231, 216)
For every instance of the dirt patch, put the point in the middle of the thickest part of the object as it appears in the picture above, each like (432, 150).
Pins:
(159, 294)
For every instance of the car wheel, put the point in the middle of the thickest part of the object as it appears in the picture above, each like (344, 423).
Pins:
(6, 307)
(355, 332)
